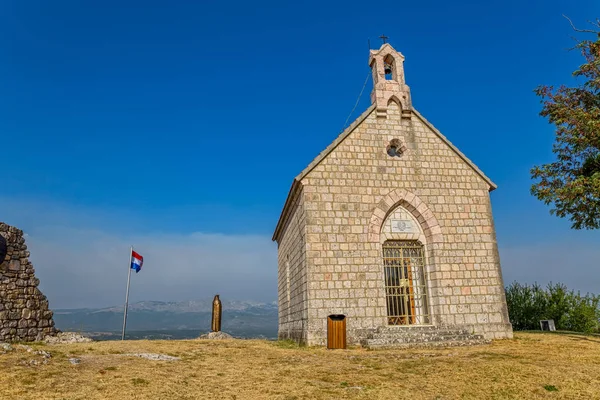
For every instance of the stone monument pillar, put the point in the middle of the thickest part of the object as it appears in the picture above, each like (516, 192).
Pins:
(216, 315)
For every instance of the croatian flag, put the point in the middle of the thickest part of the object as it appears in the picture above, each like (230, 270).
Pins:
(136, 261)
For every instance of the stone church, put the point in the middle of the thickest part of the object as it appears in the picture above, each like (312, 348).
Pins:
(390, 226)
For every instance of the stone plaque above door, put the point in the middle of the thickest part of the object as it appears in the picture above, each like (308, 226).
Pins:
(402, 226)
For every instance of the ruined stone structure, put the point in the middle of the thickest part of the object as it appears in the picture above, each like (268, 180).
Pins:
(391, 226)
(24, 312)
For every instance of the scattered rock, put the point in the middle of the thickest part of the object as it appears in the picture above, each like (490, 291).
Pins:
(5, 347)
(216, 336)
(36, 362)
(28, 349)
(44, 358)
(43, 353)
(67, 338)
(152, 356)
(74, 361)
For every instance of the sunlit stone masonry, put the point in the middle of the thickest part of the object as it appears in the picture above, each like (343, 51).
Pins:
(391, 227)
(24, 312)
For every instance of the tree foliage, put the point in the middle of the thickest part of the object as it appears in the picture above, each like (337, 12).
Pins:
(571, 184)
(528, 304)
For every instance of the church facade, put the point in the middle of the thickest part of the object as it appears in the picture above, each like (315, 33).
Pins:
(390, 226)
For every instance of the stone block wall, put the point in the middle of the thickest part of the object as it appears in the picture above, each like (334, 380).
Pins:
(24, 310)
(348, 196)
(292, 286)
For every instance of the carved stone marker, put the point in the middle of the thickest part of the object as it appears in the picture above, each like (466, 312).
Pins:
(216, 315)
(24, 311)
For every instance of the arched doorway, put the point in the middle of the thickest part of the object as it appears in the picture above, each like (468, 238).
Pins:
(405, 283)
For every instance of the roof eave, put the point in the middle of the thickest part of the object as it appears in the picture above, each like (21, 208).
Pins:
(286, 210)
(297, 181)
(491, 184)
(345, 133)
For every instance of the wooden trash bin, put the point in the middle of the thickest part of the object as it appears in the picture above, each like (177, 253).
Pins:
(336, 331)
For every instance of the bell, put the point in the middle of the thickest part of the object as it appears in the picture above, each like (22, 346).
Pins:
(387, 68)
(392, 151)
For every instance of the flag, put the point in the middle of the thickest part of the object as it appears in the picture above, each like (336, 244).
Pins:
(136, 261)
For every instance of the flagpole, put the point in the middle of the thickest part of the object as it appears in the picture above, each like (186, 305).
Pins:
(127, 294)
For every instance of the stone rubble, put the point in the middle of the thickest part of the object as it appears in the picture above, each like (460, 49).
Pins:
(153, 356)
(43, 353)
(5, 347)
(67, 338)
(42, 359)
(216, 336)
(24, 310)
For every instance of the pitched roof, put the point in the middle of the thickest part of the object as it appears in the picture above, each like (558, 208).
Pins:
(285, 212)
(470, 163)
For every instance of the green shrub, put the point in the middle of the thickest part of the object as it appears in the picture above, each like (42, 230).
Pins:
(583, 314)
(528, 304)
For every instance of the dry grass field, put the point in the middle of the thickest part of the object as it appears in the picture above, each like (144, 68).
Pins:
(532, 366)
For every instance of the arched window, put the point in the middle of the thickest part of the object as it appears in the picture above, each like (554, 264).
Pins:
(389, 67)
(405, 283)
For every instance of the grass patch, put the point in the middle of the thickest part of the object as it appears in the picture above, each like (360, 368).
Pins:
(28, 381)
(563, 333)
(287, 344)
(498, 356)
(262, 370)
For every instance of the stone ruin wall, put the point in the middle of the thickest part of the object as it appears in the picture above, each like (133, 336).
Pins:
(24, 311)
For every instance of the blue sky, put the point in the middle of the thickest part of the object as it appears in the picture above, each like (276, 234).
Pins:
(174, 122)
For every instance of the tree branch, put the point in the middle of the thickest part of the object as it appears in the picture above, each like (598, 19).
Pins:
(579, 30)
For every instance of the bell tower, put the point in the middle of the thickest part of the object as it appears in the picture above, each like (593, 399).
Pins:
(388, 81)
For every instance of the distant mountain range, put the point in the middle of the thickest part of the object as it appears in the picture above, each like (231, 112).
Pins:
(171, 320)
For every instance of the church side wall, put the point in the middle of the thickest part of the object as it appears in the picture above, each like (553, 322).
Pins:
(292, 284)
(344, 256)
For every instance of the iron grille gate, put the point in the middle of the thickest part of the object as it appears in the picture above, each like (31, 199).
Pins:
(405, 283)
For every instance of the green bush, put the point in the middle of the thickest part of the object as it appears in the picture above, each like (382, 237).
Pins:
(528, 304)
(525, 305)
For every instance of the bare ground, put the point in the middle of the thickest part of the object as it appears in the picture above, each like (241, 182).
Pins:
(532, 366)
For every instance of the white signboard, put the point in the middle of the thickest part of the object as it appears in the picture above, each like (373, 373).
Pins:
(402, 226)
